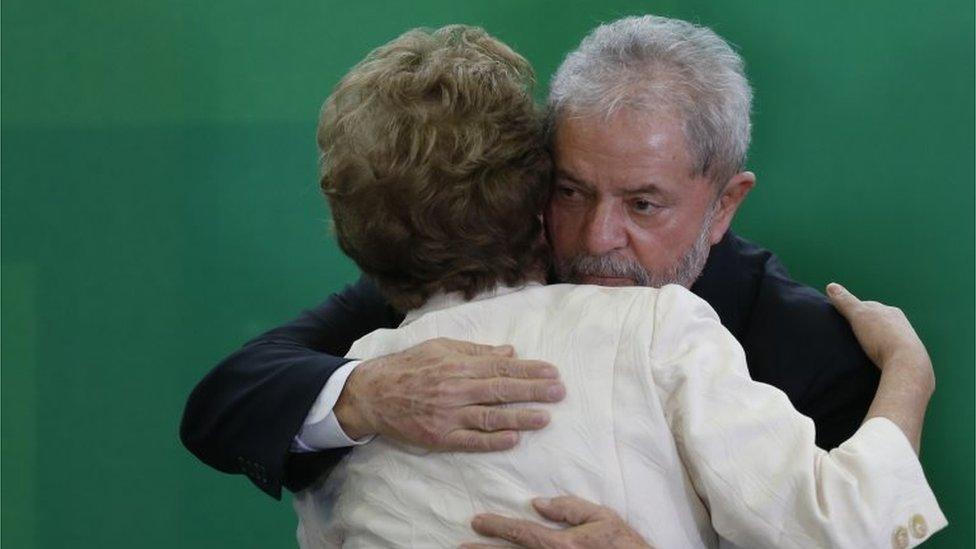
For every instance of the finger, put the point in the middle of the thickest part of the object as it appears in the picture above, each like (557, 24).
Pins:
(476, 349)
(843, 300)
(488, 418)
(467, 440)
(569, 509)
(501, 390)
(509, 367)
(479, 546)
(520, 532)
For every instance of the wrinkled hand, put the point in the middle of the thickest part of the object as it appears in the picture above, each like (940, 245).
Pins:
(883, 332)
(439, 395)
(592, 526)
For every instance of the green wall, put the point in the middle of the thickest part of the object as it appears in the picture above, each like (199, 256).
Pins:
(159, 207)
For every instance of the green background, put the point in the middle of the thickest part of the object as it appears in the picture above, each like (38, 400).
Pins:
(159, 207)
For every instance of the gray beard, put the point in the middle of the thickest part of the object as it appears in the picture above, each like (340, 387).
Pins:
(684, 273)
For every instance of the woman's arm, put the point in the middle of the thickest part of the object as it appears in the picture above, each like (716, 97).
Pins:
(752, 456)
(907, 378)
(891, 343)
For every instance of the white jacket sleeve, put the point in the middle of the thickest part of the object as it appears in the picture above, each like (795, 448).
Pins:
(752, 458)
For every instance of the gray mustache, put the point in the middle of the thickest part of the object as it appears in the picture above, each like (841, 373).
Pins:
(583, 265)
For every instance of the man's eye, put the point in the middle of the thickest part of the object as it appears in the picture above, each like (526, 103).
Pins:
(643, 206)
(567, 192)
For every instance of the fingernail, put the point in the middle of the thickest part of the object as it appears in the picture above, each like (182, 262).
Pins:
(540, 419)
(556, 392)
(833, 289)
(503, 350)
(550, 371)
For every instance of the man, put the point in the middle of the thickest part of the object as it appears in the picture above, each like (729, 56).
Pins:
(650, 127)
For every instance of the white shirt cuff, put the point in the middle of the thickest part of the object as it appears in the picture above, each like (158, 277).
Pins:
(888, 454)
(321, 430)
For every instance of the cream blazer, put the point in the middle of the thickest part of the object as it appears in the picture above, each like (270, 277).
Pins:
(661, 422)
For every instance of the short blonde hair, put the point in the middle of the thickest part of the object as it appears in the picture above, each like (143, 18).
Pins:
(435, 165)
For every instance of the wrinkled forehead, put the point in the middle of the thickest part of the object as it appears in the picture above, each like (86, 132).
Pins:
(625, 141)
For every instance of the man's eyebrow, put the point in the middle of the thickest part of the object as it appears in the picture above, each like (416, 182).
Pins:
(646, 188)
(562, 174)
(649, 188)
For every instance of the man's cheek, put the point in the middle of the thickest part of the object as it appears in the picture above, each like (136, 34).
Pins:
(563, 233)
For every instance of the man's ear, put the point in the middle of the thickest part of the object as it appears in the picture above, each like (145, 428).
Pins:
(728, 201)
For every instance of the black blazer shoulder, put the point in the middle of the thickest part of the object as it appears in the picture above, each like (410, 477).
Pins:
(793, 337)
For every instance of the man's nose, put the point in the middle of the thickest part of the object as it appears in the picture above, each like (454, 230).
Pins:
(604, 231)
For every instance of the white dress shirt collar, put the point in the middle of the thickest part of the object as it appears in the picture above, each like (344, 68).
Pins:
(442, 300)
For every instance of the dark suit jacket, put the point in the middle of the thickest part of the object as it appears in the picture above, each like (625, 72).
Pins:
(243, 416)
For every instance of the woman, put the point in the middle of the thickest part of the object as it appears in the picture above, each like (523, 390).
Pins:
(435, 167)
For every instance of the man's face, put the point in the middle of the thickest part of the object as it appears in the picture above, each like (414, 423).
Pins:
(626, 208)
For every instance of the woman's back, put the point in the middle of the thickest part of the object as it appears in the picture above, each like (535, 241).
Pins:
(608, 441)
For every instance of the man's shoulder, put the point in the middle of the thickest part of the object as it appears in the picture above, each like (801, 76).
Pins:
(793, 337)
(779, 304)
(790, 331)
(743, 281)
(785, 307)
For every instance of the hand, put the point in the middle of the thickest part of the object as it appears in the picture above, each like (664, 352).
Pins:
(907, 379)
(883, 332)
(438, 395)
(592, 526)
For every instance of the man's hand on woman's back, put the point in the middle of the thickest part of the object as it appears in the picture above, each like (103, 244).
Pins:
(590, 526)
(440, 395)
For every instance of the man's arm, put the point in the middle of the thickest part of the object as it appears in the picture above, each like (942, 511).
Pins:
(243, 416)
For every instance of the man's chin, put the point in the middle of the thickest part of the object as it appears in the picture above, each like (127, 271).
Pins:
(608, 281)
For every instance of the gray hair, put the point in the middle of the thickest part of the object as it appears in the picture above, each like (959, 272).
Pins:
(656, 64)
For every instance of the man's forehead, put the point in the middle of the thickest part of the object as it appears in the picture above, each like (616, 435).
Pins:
(621, 147)
(624, 133)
